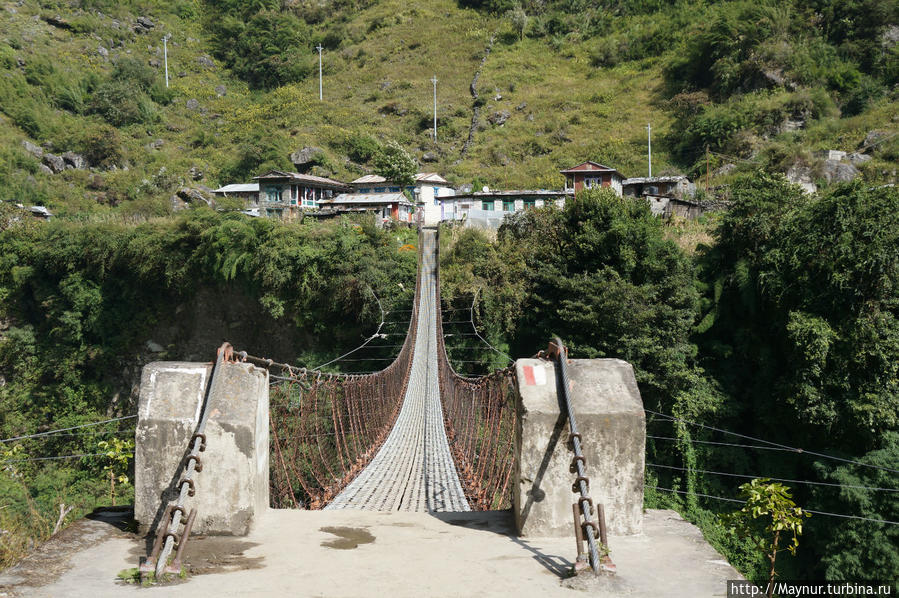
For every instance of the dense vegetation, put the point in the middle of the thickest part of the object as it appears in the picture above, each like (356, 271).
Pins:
(782, 327)
(785, 329)
(78, 302)
(758, 84)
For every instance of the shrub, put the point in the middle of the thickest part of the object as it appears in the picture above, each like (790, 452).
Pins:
(119, 103)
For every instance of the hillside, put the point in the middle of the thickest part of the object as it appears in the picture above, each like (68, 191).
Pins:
(562, 82)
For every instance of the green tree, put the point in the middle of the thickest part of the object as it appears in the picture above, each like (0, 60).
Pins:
(768, 518)
(396, 164)
(117, 453)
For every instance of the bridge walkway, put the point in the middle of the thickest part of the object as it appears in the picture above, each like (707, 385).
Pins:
(414, 469)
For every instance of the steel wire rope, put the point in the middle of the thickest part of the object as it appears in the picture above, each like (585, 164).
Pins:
(737, 500)
(57, 457)
(691, 440)
(368, 340)
(781, 446)
(742, 475)
(475, 328)
(52, 432)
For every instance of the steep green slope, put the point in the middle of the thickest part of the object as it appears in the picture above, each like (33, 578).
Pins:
(577, 81)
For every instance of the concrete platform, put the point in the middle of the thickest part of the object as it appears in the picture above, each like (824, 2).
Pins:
(360, 553)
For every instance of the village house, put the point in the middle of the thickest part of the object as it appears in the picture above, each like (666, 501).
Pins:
(285, 194)
(665, 194)
(387, 206)
(427, 190)
(487, 208)
(592, 174)
(249, 192)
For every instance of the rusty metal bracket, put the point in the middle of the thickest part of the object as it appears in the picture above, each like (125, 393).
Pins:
(193, 489)
(589, 501)
(149, 564)
(571, 438)
(175, 566)
(576, 487)
(202, 438)
(198, 463)
(573, 467)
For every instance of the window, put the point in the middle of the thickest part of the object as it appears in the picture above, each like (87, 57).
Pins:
(487, 206)
(508, 206)
(394, 189)
(380, 189)
(530, 203)
(272, 194)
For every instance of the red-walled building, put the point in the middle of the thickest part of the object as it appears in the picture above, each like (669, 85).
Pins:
(592, 174)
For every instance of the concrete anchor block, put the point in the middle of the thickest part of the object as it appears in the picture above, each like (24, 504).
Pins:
(609, 415)
(232, 490)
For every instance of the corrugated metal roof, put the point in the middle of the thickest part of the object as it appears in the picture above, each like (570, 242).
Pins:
(239, 188)
(429, 177)
(512, 193)
(366, 199)
(369, 179)
(420, 177)
(590, 166)
(301, 178)
(656, 179)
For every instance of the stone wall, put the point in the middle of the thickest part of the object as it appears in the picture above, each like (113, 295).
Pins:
(610, 418)
(232, 489)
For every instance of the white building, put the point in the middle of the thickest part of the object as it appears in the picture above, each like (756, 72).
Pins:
(427, 190)
(486, 209)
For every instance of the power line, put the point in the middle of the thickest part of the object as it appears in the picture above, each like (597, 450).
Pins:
(825, 513)
(115, 419)
(782, 446)
(740, 475)
(54, 458)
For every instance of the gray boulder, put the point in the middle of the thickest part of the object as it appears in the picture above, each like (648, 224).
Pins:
(143, 25)
(834, 171)
(872, 139)
(305, 158)
(221, 90)
(54, 162)
(857, 158)
(429, 157)
(802, 176)
(76, 161)
(193, 104)
(206, 61)
(190, 195)
(499, 118)
(35, 150)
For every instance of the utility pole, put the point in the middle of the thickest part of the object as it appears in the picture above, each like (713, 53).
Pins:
(165, 54)
(319, 48)
(649, 139)
(434, 81)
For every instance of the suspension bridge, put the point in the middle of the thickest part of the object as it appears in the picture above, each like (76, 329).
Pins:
(450, 457)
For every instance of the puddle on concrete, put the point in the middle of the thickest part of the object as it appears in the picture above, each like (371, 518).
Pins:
(214, 554)
(347, 537)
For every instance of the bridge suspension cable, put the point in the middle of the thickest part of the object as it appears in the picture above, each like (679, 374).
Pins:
(59, 431)
(774, 444)
(368, 340)
(737, 500)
